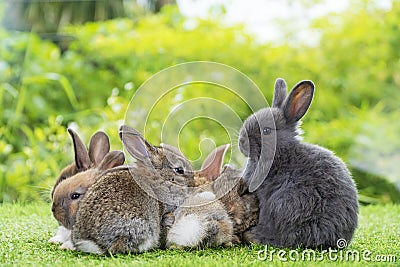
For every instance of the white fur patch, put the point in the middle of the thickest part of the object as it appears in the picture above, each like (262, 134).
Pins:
(88, 247)
(187, 232)
(148, 244)
(63, 235)
(206, 195)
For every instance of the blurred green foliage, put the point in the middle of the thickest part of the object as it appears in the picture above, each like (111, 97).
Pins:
(356, 69)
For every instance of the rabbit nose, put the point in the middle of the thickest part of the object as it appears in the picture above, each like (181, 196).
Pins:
(53, 208)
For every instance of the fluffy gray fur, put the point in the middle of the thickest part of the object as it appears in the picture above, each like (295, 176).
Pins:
(307, 195)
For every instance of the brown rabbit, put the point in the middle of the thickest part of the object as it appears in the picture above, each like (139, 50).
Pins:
(70, 188)
(201, 221)
(221, 210)
(128, 208)
(229, 187)
(99, 146)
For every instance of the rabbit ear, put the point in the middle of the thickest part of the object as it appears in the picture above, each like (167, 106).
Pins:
(135, 143)
(279, 93)
(111, 160)
(298, 101)
(212, 165)
(82, 160)
(99, 146)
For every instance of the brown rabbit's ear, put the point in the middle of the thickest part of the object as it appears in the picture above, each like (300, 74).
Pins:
(111, 160)
(98, 148)
(82, 160)
(135, 144)
(298, 101)
(212, 165)
(279, 93)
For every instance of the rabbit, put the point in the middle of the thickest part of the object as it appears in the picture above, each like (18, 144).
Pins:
(201, 221)
(81, 163)
(219, 213)
(69, 190)
(129, 209)
(231, 190)
(99, 146)
(307, 197)
(241, 205)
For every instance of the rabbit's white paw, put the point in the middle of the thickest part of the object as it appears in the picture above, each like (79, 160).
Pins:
(62, 235)
(88, 246)
(67, 245)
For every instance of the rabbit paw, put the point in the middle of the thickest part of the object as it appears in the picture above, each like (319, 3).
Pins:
(67, 245)
(62, 235)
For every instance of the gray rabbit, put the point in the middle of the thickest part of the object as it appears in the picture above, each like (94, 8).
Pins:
(307, 195)
(129, 208)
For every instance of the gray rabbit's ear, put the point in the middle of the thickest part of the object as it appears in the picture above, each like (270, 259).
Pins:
(111, 160)
(98, 148)
(212, 165)
(82, 160)
(298, 101)
(135, 144)
(279, 93)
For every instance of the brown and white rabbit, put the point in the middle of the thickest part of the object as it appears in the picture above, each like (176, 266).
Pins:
(70, 188)
(81, 163)
(219, 213)
(230, 189)
(99, 146)
(201, 221)
(128, 208)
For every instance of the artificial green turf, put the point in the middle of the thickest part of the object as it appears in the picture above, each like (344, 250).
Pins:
(25, 230)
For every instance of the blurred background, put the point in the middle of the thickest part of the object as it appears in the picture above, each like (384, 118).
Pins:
(78, 64)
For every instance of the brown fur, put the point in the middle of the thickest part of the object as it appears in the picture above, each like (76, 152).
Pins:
(67, 172)
(63, 208)
(128, 208)
(219, 212)
(64, 205)
(77, 177)
(214, 227)
(117, 196)
(231, 190)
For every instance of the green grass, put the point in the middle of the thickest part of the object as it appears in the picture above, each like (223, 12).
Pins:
(25, 230)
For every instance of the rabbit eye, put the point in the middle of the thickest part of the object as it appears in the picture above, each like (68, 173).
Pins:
(267, 131)
(75, 196)
(179, 170)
